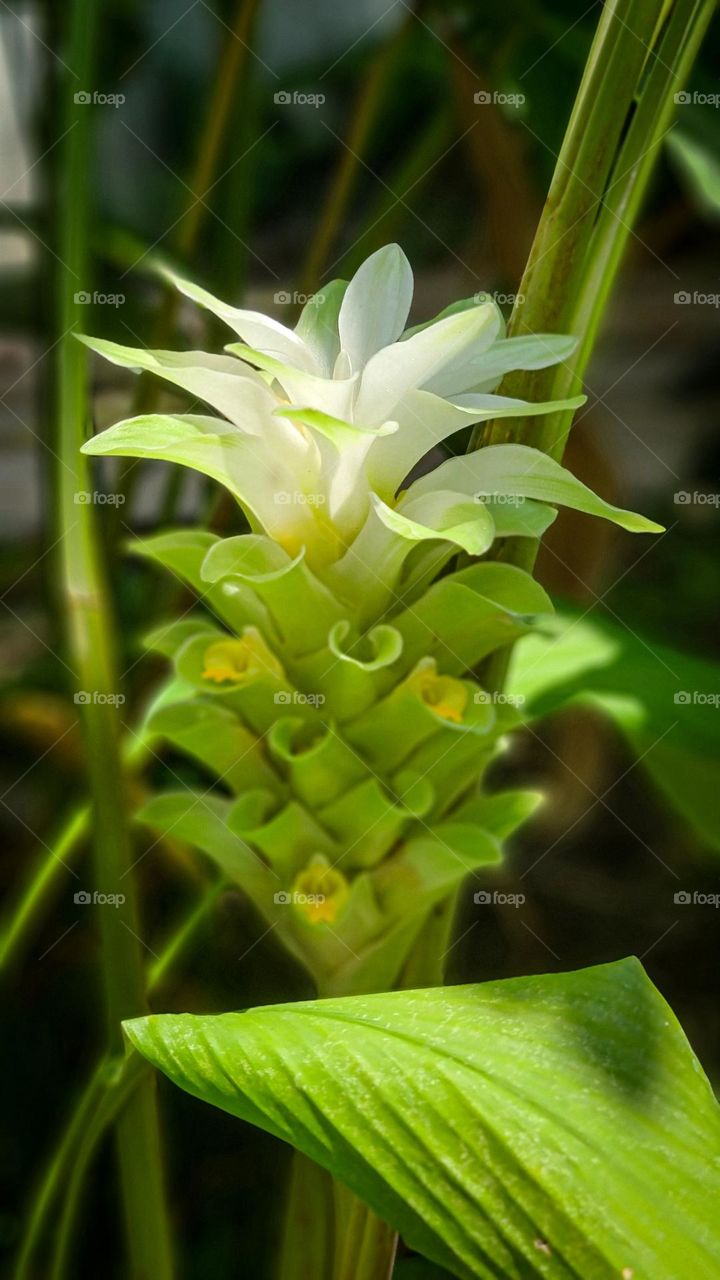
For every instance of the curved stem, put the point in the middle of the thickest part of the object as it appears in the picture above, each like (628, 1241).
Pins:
(44, 875)
(119, 1081)
(90, 631)
(58, 856)
(59, 1163)
(102, 1096)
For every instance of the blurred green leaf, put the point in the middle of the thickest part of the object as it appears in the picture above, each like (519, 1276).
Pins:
(699, 166)
(667, 704)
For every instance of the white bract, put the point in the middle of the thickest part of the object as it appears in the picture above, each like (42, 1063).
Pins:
(320, 426)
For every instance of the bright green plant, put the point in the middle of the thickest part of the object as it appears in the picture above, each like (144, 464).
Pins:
(520, 1128)
(322, 686)
(325, 684)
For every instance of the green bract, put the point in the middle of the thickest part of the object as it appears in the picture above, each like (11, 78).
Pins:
(329, 694)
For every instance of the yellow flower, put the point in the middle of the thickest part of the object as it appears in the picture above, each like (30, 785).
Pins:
(238, 661)
(445, 696)
(320, 891)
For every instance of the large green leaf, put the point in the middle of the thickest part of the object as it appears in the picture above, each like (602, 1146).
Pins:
(554, 1126)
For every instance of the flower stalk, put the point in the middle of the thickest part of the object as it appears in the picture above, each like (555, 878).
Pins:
(90, 633)
(641, 57)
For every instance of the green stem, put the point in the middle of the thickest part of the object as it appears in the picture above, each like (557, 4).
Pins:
(90, 633)
(59, 855)
(100, 1100)
(43, 878)
(119, 1080)
(330, 1234)
(366, 1245)
(641, 56)
(307, 1245)
(425, 966)
(181, 937)
(60, 1163)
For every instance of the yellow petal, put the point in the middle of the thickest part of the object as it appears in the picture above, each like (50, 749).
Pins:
(238, 661)
(320, 891)
(444, 695)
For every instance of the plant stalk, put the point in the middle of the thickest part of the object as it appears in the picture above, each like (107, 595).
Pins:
(57, 857)
(90, 637)
(96, 1108)
(622, 111)
(366, 1246)
(641, 56)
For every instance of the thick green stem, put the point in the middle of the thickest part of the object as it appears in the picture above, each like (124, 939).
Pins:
(366, 1246)
(623, 109)
(307, 1245)
(90, 633)
(328, 1233)
(641, 56)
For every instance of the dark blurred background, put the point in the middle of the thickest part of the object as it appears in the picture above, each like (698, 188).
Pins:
(268, 147)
